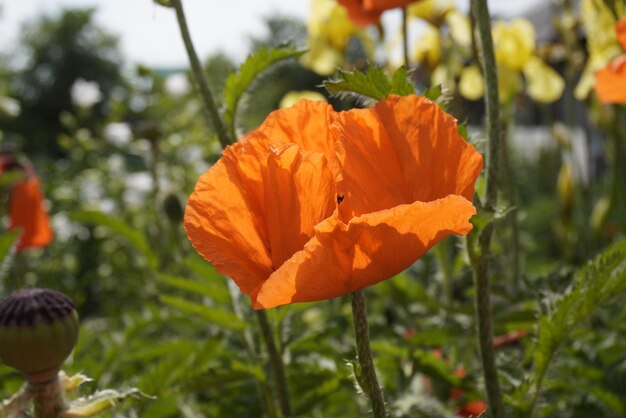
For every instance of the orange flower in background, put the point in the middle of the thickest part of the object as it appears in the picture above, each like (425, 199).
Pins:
(367, 12)
(472, 409)
(611, 80)
(27, 212)
(356, 198)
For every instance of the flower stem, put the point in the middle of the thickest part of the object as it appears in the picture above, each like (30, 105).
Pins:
(364, 353)
(201, 80)
(276, 363)
(405, 38)
(482, 264)
(48, 398)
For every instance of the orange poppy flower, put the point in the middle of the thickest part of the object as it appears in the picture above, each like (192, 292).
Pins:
(291, 224)
(611, 80)
(367, 12)
(26, 211)
(472, 409)
(620, 28)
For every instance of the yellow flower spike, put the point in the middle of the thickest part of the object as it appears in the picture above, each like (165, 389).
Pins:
(460, 28)
(293, 97)
(428, 48)
(432, 11)
(514, 43)
(471, 84)
(322, 57)
(544, 85)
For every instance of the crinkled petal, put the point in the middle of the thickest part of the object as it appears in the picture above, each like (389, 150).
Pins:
(224, 216)
(405, 149)
(257, 206)
(342, 258)
(299, 193)
(611, 82)
(306, 124)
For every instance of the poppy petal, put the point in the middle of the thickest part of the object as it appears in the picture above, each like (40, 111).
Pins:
(404, 150)
(358, 14)
(257, 206)
(342, 258)
(224, 219)
(26, 211)
(299, 193)
(620, 28)
(611, 82)
(306, 124)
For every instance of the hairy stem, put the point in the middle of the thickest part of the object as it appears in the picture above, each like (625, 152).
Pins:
(405, 38)
(482, 264)
(364, 353)
(200, 77)
(48, 398)
(276, 363)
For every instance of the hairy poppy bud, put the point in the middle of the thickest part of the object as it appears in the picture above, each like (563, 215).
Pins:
(173, 208)
(38, 331)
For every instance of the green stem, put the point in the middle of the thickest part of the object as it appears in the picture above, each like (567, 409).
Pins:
(200, 77)
(482, 264)
(405, 38)
(368, 377)
(276, 363)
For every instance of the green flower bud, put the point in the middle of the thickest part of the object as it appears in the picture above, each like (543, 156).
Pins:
(173, 208)
(38, 331)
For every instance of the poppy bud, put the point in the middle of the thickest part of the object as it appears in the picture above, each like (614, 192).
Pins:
(173, 208)
(38, 331)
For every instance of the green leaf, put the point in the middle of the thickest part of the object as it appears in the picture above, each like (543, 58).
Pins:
(217, 290)
(237, 83)
(374, 83)
(433, 93)
(136, 238)
(217, 316)
(8, 246)
(99, 402)
(594, 285)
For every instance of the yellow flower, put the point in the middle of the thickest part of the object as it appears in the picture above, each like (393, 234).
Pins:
(514, 43)
(428, 48)
(471, 83)
(330, 31)
(293, 97)
(544, 85)
(432, 11)
(602, 44)
(460, 28)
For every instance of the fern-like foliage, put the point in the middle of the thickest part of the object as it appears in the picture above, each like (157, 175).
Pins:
(594, 285)
(371, 84)
(238, 83)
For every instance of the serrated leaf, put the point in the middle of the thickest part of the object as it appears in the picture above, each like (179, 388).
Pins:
(594, 285)
(217, 316)
(216, 291)
(134, 237)
(374, 83)
(433, 93)
(237, 83)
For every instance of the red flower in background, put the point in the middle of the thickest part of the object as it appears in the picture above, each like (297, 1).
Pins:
(26, 207)
(611, 80)
(367, 12)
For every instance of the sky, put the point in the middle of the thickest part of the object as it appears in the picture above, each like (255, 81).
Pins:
(149, 34)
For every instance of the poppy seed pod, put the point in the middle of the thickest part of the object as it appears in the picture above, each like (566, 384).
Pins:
(38, 331)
